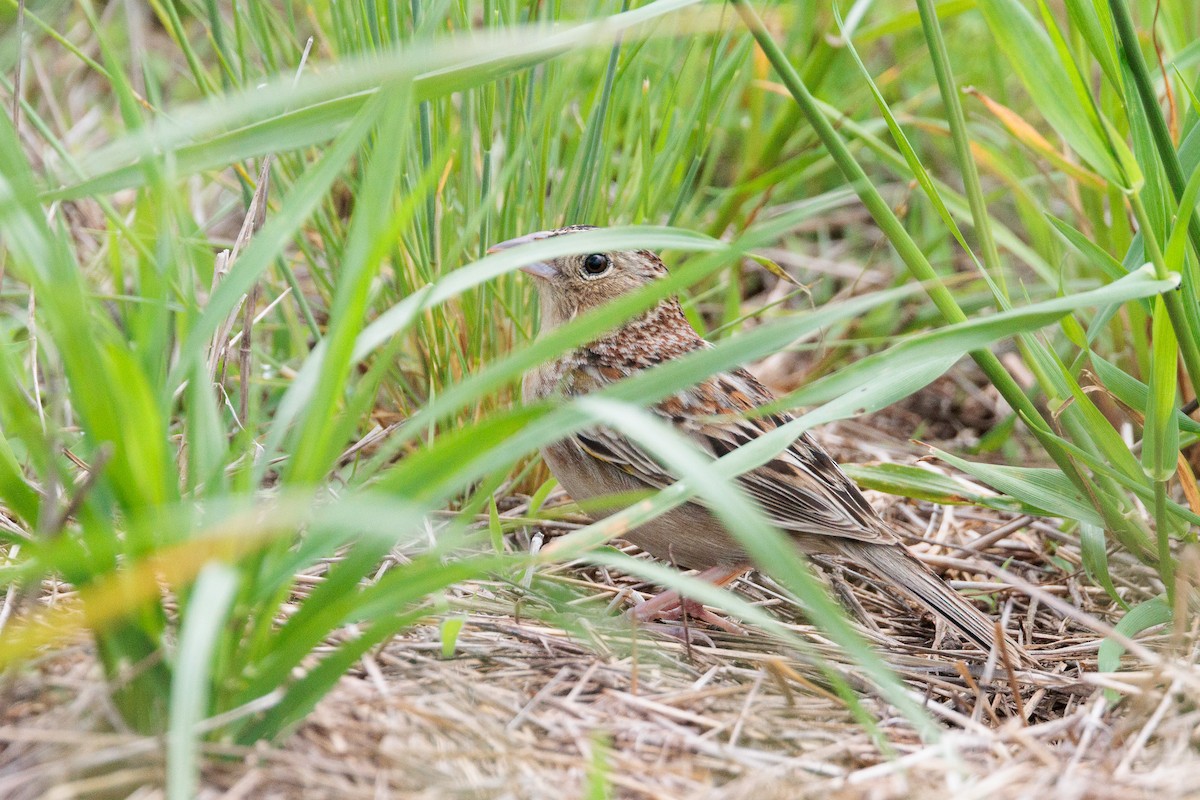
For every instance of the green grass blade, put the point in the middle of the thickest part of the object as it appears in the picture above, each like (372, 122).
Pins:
(190, 688)
(1141, 617)
(1051, 85)
(1041, 488)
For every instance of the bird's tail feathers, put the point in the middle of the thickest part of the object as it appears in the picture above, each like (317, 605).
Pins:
(898, 566)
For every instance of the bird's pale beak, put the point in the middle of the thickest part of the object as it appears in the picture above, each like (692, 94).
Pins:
(538, 269)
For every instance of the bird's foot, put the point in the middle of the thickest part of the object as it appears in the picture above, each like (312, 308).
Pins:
(669, 606)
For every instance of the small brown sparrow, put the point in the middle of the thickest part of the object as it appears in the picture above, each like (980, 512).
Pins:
(802, 490)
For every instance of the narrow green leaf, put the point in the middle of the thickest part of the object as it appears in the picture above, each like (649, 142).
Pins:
(15, 491)
(1033, 57)
(1094, 254)
(1178, 240)
(1160, 439)
(906, 149)
(1046, 489)
(382, 610)
(211, 599)
(495, 530)
(1094, 24)
(450, 628)
(1136, 484)
(1141, 617)
(926, 353)
(373, 227)
(310, 190)
(1132, 392)
(432, 67)
(1093, 547)
(906, 480)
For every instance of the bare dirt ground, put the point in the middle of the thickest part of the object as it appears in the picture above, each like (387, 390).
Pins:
(526, 708)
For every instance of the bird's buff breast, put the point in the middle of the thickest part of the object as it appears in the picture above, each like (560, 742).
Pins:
(688, 536)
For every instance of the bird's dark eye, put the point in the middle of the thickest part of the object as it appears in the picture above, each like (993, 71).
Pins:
(596, 263)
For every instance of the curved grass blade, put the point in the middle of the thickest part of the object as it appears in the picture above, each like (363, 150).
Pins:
(1041, 488)
(1093, 548)
(207, 608)
(435, 68)
(1141, 617)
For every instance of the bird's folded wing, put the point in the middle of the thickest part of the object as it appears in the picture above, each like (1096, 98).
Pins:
(800, 490)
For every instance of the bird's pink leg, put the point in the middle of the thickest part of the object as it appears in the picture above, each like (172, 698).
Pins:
(670, 605)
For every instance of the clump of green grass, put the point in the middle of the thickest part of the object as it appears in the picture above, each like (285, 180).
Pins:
(180, 479)
(1099, 481)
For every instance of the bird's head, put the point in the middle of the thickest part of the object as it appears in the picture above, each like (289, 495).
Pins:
(570, 285)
